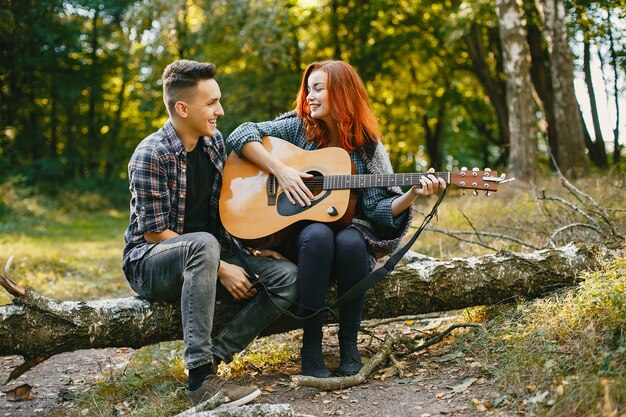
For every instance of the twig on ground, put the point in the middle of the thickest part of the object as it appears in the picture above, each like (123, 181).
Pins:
(337, 383)
(439, 337)
(419, 317)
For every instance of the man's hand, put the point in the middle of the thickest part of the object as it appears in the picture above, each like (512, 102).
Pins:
(267, 253)
(235, 280)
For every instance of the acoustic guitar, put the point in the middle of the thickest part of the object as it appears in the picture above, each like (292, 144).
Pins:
(253, 208)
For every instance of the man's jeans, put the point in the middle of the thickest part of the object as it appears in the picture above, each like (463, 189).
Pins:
(186, 267)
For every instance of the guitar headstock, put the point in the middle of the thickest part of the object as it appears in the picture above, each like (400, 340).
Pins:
(476, 179)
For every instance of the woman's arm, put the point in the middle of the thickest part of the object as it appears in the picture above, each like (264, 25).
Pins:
(290, 129)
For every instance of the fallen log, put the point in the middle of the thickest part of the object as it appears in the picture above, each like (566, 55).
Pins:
(38, 327)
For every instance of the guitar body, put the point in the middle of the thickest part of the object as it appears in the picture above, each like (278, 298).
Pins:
(254, 209)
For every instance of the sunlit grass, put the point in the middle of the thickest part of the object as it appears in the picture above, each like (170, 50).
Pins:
(563, 355)
(67, 251)
(153, 383)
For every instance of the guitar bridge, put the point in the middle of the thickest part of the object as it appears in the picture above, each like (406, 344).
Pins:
(271, 187)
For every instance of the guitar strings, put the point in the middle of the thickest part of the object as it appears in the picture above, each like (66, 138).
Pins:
(388, 179)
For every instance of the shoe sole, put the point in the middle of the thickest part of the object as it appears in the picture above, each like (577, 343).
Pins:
(246, 399)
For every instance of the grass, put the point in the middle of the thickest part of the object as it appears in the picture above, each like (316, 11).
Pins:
(563, 355)
(153, 384)
(559, 356)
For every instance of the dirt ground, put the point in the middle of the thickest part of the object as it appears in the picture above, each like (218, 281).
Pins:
(437, 382)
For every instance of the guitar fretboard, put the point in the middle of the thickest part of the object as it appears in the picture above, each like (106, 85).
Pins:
(341, 182)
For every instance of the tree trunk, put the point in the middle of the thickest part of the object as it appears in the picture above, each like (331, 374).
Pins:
(434, 137)
(521, 105)
(597, 151)
(494, 88)
(540, 72)
(571, 147)
(617, 147)
(38, 327)
(93, 135)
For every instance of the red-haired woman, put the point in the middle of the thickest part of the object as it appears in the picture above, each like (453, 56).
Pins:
(332, 109)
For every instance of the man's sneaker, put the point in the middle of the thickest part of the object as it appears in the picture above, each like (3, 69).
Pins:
(235, 394)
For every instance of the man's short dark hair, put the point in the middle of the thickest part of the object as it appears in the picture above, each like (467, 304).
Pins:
(181, 75)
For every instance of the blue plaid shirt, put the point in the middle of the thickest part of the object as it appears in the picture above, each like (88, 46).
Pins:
(374, 204)
(158, 184)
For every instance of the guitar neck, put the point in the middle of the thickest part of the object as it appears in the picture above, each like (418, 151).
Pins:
(342, 182)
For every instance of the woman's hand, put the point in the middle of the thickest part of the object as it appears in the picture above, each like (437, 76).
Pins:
(290, 180)
(235, 280)
(429, 184)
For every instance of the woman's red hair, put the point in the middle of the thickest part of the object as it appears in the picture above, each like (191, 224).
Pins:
(349, 105)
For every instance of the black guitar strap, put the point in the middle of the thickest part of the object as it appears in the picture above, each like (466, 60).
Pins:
(360, 287)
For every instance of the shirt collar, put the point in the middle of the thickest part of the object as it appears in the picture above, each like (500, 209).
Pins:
(172, 138)
(176, 143)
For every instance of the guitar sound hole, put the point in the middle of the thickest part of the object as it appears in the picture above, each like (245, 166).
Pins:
(315, 184)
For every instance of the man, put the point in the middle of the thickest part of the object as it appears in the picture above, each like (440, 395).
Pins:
(176, 247)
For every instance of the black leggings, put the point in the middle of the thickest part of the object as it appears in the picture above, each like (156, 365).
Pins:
(323, 255)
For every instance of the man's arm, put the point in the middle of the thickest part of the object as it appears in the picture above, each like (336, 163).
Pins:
(157, 237)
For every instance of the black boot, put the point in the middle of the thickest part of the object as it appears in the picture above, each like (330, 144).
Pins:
(350, 362)
(313, 361)
(311, 352)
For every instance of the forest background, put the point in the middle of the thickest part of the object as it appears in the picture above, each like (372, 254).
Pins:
(502, 84)
(453, 83)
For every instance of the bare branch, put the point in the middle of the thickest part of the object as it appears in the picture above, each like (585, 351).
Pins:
(580, 194)
(568, 204)
(439, 337)
(472, 226)
(8, 284)
(574, 225)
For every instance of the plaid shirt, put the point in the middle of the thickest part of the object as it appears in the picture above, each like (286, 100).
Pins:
(374, 204)
(158, 184)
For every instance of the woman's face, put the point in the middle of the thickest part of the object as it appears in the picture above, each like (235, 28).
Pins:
(317, 97)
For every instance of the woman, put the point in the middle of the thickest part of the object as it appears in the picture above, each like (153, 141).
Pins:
(332, 109)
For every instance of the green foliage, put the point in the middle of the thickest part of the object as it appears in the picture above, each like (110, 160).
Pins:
(80, 79)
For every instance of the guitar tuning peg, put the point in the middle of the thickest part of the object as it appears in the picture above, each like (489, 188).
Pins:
(475, 193)
(464, 169)
(487, 169)
(475, 169)
(488, 193)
